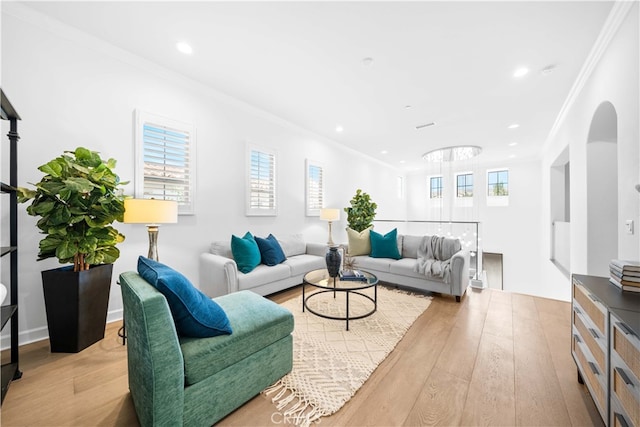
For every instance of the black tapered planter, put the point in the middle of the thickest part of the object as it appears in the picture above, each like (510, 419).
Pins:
(76, 304)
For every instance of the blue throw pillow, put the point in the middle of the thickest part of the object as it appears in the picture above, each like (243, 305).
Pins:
(385, 246)
(245, 252)
(194, 314)
(270, 250)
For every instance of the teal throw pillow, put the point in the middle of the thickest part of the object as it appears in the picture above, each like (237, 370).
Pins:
(245, 252)
(385, 246)
(194, 314)
(270, 250)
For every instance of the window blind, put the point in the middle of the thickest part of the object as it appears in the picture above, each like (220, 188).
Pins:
(315, 189)
(168, 170)
(262, 183)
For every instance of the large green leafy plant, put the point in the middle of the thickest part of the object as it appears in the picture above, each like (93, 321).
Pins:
(362, 211)
(78, 199)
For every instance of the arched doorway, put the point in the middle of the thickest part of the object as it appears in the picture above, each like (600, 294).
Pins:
(602, 190)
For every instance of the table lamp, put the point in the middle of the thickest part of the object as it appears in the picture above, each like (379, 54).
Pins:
(330, 215)
(153, 213)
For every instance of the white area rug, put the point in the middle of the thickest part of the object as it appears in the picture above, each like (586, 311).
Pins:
(330, 363)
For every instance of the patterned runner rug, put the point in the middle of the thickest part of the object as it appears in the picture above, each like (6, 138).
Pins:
(330, 363)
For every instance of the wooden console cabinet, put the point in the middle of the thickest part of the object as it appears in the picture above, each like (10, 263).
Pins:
(605, 345)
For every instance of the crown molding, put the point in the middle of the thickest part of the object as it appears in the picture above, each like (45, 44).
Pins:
(616, 17)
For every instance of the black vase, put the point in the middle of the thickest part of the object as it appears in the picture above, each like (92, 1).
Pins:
(333, 259)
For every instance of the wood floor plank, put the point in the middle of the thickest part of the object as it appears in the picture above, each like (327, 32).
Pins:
(441, 401)
(458, 356)
(491, 396)
(539, 400)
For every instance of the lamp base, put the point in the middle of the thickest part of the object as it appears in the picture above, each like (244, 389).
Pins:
(153, 242)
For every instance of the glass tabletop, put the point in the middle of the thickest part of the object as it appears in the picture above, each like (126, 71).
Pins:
(321, 279)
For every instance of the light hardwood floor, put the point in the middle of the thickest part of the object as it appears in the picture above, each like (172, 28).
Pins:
(496, 358)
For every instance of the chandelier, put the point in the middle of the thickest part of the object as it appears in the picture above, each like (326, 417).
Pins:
(452, 154)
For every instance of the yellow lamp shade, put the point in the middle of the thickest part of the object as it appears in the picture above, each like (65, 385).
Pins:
(150, 211)
(330, 214)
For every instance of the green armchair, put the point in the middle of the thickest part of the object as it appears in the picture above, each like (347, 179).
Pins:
(198, 381)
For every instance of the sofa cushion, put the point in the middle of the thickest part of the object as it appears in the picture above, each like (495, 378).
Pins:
(385, 246)
(410, 246)
(359, 242)
(365, 262)
(270, 251)
(245, 252)
(302, 264)
(194, 314)
(256, 321)
(262, 275)
(293, 245)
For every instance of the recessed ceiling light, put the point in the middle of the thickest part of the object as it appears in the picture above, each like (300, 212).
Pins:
(184, 48)
(407, 107)
(520, 72)
(384, 152)
(339, 129)
(513, 126)
(402, 161)
(367, 61)
(513, 144)
(512, 156)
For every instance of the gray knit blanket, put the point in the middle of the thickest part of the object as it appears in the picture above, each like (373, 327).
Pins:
(434, 256)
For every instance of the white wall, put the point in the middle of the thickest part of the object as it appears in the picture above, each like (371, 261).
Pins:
(512, 230)
(72, 90)
(614, 79)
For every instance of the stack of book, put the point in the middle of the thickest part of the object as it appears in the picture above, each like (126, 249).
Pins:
(357, 275)
(625, 274)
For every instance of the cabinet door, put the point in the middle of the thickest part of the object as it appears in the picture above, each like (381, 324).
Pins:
(624, 374)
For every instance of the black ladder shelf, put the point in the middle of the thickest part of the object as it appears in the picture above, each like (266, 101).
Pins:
(11, 371)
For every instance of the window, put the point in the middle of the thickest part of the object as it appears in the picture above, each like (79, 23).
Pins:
(165, 160)
(435, 187)
(315, 188)
(261, 188)
(498, 183)
(464, 185)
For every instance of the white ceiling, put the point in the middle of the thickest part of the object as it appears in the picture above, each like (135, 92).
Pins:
(452, 62)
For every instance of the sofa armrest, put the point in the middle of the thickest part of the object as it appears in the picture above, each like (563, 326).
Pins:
(154, 357)
(319, 249)
(218, 275)
(459, 272)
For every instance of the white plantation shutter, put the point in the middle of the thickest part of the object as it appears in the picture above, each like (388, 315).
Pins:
(261, 194)
(166, 161)
(315, 188)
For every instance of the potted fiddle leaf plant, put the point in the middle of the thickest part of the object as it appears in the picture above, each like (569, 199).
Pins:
(77, 200)
(362, 211)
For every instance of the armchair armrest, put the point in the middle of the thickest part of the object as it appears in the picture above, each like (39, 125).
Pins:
(154, 357)
(218, 275)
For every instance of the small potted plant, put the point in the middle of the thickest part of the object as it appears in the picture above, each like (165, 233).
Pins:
(77, 201)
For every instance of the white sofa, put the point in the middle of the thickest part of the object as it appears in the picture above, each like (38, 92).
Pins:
(402, 271)
(219, 273)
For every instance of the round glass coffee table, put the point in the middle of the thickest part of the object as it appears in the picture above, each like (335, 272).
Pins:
(320, 279)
